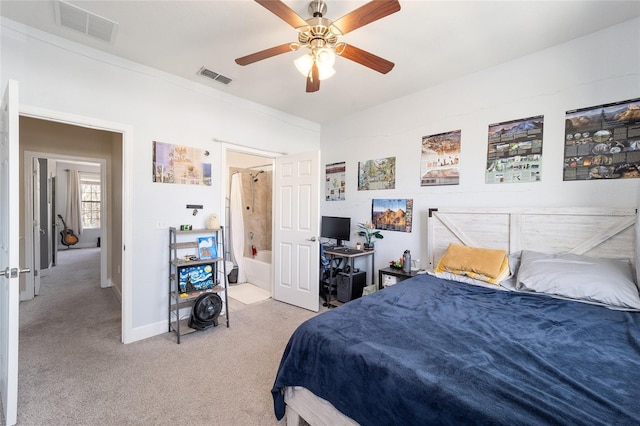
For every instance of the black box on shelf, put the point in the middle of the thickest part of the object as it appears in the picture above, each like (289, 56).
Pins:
(346, 293)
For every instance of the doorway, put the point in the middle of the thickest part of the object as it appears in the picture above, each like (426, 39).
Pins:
(45, 208)
(72, 144)
(249, 222)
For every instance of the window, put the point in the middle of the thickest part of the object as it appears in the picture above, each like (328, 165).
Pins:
(90, 193)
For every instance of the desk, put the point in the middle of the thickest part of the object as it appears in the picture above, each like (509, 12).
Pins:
(348, 259)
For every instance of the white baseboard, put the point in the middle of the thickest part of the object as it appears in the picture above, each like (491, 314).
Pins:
(78, 246)
(147, 331)
(116, 290)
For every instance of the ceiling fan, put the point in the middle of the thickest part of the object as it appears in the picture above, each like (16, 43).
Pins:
(320, 36)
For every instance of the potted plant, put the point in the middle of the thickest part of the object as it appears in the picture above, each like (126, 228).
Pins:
(369, 232)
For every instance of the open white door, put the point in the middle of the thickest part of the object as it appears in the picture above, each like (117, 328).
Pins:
(33, 231)
(9, 257)
(37, 226)
(296, 229)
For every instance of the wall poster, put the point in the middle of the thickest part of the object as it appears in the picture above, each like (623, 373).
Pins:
(439, 164)
(392, 215)
(377, 174)
(180, 164)
(335, 177)
(603, 142)
(515, 151)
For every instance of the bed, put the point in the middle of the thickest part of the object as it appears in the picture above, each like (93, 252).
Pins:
(436, 350)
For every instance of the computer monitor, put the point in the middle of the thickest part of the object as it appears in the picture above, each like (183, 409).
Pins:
(337, 228)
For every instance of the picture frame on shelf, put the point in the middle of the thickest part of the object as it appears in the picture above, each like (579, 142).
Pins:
(207, 247)
(195, 278)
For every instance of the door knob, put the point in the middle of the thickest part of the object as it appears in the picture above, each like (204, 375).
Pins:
(311, 239)
(13, 272)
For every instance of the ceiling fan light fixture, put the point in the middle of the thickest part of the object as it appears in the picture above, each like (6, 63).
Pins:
(325, 58)
(326, 72)
(303, 63)
(320, 36)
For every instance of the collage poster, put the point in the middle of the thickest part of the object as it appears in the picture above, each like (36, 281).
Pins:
(392, 214)
(180, 164)
(377, 174)
(335, 178)
(439, 164)
(603, 142)
(515, 151)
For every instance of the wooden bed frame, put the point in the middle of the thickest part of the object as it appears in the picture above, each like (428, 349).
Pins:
(596, 232)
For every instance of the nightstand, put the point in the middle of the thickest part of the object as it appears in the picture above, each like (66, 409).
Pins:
(390, 276)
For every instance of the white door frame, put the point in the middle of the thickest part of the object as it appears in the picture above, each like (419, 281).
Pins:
(127, 335)
(105, 242)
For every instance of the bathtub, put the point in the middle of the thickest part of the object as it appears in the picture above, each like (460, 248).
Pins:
(258, 269)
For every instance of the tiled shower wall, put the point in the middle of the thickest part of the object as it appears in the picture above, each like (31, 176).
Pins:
(256, 200)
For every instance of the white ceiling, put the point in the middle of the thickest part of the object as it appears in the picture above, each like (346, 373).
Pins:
(429, 41)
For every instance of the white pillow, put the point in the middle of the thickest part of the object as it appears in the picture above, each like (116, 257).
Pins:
(608, 282)
(465, 279)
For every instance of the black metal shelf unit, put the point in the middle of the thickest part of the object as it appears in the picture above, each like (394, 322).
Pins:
(183, 253)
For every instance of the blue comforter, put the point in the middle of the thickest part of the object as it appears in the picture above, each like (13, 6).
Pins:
(432, 351)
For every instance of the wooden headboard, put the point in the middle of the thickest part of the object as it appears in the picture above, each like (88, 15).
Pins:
(597, 232)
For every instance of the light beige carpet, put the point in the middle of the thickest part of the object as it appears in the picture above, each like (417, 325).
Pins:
(74, 371)
(248, 293)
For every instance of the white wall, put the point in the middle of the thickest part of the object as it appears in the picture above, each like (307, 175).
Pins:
(601, 68)
(64, 77)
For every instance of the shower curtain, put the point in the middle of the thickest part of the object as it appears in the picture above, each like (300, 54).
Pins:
(237, 224)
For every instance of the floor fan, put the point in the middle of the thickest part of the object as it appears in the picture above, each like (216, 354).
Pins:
(205, 311)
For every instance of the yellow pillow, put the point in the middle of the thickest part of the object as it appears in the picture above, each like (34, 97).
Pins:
(490, 265)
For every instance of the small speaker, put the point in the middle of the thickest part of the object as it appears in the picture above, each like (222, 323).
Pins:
(346, 293)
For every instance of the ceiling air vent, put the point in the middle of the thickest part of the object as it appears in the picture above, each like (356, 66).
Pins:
(78, 19)
(214, 76)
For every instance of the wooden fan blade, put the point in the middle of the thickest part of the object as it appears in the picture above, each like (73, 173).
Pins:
(366, 14)
(284, 12)
(364, 58)
(313, 79)
(267, 53)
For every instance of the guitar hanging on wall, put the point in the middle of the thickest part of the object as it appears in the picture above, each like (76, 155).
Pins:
(68, 238)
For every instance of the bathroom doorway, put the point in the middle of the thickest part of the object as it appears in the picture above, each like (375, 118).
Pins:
(249, 218)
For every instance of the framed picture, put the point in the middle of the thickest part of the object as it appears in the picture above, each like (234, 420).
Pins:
(207, 247)
(196, 278)
(392, 214)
